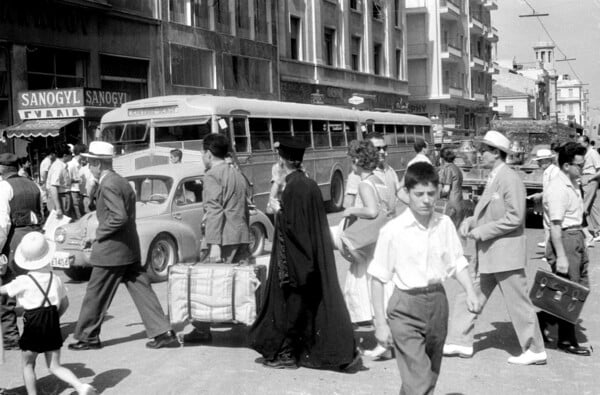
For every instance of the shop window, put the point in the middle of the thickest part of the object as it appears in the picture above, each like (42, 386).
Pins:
(261, 21)
(246, 74)
(49, 68)
(190, 12)
(192, 66)
(259, 134)
(124, 74)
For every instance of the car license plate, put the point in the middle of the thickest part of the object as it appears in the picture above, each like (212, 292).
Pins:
(62, 260)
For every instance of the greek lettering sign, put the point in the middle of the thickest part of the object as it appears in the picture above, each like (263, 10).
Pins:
(65, 103)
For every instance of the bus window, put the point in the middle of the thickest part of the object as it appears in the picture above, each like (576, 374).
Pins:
(133, 138)
(320, 135)
(281, 128)
(302, 130)
(427, 134)
(350, 131)
(259, 134)
(181, 136)
(336, 129)
(112, 133)
(410, 134)
(390, 135)
(401, 134)
(240, 137)
(379, 128)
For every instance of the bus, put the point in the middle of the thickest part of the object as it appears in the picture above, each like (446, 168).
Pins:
(145, 131)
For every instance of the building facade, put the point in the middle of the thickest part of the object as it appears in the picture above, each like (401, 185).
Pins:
(571, 100)
(451, 52)
(332, 50)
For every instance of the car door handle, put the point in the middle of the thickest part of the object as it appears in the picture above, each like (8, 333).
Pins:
(177, 215)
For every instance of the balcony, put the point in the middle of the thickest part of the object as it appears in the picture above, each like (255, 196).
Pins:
(492, 35)
(491, 4)
(417, 51)
(475, 23)
(477, 63)
(453, 90)
(450, 9)
(451, 51)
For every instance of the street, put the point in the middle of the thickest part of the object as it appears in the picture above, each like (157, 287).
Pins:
(125, 366)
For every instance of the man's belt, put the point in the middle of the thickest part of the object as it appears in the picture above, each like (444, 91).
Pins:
(574, 227)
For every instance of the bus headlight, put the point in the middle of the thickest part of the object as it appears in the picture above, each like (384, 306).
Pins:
(60, 235)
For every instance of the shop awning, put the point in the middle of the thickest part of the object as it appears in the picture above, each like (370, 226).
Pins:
(38, 127)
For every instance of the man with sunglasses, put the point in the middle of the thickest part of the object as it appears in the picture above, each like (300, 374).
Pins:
(498, 229)
(566, 253)
(385, 172)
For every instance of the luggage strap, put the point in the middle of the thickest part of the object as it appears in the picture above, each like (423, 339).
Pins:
(45, 294)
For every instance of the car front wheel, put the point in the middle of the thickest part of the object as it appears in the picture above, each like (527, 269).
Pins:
(161, 254)
(258, 238)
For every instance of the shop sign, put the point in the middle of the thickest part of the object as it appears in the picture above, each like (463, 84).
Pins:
(417, 108)
(356, 100)
(70, 97)
(62, 112)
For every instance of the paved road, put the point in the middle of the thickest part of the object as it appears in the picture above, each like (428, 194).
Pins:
(125, 366)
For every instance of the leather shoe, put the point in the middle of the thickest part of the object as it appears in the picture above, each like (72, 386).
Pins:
(166, 340)
(82, 345)
(281, 363)
(574, 349)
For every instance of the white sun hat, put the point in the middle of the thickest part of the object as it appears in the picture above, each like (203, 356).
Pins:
(497, 140)
(100, 150)
(544, 153)
(34, 251)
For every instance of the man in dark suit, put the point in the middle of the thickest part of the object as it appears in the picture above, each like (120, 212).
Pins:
(116, 258)
(225, 194)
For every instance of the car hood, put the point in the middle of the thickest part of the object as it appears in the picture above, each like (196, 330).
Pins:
(143, 210)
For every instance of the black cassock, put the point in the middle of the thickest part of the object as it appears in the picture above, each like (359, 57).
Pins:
(303, 307)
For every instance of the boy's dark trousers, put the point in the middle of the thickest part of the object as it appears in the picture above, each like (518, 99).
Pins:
(418, 319)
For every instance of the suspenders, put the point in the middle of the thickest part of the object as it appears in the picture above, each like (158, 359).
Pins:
(42, 290)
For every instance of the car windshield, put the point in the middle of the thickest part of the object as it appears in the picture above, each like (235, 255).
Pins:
(151, 189)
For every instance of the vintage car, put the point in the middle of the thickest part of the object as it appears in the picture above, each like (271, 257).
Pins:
(169, 215)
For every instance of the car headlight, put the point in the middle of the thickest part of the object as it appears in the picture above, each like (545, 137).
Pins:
(60, 235)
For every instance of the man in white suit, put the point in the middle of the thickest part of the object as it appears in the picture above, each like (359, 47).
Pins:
(498, 228)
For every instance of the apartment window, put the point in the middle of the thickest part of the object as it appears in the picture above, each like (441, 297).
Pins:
(261, 21)
(295, 38)
(329, 43)
(49, 68)
(399, 64)
(4, 84)
(190, 12)
(355, 4)
(508, 109)
(192, 66)
(397, 13)
(377, 10)
(377, 59)
(124, 74)
(242, 18)
(570, 108)
(356, 53)
(570, 92)
(246, 74)
(222, 15)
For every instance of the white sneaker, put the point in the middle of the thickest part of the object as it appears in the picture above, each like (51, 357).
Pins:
(377, 352)
(451, 350)
(541, 244)
(529, 358)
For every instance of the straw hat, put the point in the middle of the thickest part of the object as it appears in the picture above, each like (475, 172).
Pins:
(544, 153)
(100, 150)
(34, 252)
(497, 140)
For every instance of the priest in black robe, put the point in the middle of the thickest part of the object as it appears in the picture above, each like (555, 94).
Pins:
(303, 320)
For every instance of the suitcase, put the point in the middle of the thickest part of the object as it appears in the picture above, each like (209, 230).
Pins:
(558, 296)
(216, 293)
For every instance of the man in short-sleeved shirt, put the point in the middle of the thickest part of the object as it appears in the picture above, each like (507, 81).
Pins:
(59, 183)
(590, 175)
(566, 253)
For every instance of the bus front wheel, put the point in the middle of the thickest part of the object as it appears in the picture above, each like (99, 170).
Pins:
(336, 201)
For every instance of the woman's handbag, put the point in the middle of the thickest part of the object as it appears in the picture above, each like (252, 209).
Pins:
(558, 296)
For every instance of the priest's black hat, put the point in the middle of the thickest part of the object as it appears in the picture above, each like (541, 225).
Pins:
(291, 148)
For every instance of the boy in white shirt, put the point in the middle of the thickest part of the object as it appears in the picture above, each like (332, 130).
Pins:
(417, 251)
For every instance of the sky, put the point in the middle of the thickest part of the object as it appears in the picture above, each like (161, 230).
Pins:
(574, 26)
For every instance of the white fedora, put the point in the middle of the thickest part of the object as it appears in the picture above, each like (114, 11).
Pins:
(34, 251)
(100, 150)
(544, 153)
(497, 140)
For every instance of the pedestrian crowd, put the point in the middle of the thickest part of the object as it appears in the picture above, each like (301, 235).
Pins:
(401, 249)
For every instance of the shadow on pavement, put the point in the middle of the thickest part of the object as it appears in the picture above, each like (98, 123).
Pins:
(119, 340)
(50, 384)
(109, 379)
(502, 337)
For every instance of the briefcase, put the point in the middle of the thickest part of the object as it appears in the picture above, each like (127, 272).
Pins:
(558, 296)
(216, 293)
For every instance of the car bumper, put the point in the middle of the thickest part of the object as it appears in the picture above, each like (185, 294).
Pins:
(65, 259)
